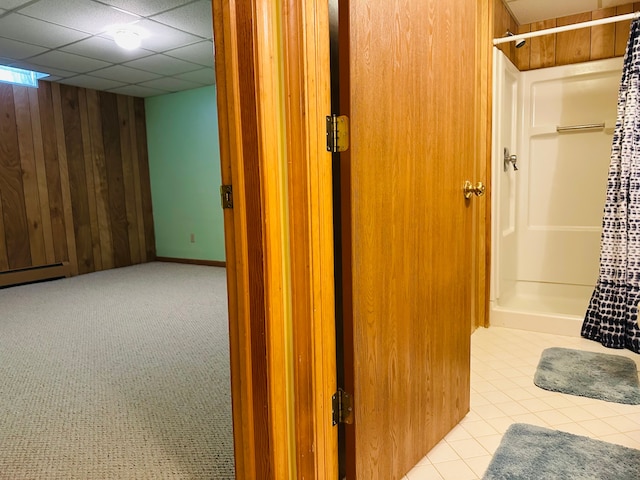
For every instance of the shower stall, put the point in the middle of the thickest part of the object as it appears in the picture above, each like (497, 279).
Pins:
(552, 136)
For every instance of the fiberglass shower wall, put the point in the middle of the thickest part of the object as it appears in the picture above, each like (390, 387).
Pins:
(547, 215)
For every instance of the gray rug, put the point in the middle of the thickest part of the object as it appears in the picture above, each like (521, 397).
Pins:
(612, 378)
(530, 452)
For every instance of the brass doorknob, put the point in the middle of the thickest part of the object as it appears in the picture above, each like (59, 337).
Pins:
(469, 189)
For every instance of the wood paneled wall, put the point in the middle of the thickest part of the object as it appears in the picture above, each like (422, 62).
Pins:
(582, 45)
(503, 21)
(74, 179)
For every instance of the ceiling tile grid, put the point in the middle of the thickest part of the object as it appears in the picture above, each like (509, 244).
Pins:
(138, 91)
(69, 39)
(204, 75)
(87, 16)
(118, 72)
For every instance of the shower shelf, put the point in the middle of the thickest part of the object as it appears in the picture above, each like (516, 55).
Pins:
(575, 128)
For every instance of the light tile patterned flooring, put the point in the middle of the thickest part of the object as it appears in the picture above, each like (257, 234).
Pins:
(503, 363)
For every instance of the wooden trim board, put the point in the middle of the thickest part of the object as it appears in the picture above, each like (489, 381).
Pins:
(21, 276)
(192, 261)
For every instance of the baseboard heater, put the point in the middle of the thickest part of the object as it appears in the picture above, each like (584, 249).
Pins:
(19, 276)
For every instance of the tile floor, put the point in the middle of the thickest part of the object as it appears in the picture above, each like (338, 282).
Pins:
(503, 363)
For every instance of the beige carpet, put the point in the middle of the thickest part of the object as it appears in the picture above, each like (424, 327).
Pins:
(122, 374)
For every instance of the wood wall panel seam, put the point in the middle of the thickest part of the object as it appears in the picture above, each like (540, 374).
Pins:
(622, 29)
(127, 176)
(64, 178)
(603, 36)
(115, 179)
(100, 180)
(136, 180)
(145, 178)
(4, 260)
(87, 149)
(77, 177)
(29, 175)
(41, 173)
(52, 168)
(575, 45)
(11, 187)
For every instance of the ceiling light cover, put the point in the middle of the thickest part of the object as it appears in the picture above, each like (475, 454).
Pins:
(128, 37)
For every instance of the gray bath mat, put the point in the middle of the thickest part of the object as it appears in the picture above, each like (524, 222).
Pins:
(596, 375)
(530, 452)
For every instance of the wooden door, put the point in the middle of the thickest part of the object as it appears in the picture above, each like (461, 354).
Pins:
(408, 73)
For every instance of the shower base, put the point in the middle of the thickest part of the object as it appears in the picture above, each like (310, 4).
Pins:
(539, 307)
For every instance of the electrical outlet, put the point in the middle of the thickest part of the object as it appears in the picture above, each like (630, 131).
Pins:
(193, 238)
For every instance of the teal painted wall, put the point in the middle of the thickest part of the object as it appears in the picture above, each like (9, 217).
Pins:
(184, 162)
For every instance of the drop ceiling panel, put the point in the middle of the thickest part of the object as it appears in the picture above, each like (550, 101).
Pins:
(194, 17)
(68, 40)
(106, 50)
(613, 3)
(163, 65)
(56, 72)
(57, 36)
(82, 15)
(138, 91)
(68, 61)
(530, 11)
(145, 7)
(125, 74)
(19, 50)
(204, 76)
(11, 4)
(88, 81)
(201, 53)
(162, 37)
(37, 32)
(170, 84)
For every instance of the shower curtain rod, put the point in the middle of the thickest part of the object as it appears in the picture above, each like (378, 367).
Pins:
(565, 28)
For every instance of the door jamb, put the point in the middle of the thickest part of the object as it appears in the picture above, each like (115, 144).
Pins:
(272, 69)
(482, 209)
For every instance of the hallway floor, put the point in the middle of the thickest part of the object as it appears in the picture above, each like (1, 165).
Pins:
(503, 363)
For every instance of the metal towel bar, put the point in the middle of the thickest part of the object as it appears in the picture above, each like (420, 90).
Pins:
(588, 126)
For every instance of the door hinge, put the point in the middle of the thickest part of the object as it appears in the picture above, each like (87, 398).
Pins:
(337, 133)
(226, 196)
(342, 407)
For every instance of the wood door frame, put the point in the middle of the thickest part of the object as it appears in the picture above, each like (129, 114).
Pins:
(482, 209)
(272, 69)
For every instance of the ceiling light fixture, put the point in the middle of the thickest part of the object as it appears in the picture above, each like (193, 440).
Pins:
(128, 37)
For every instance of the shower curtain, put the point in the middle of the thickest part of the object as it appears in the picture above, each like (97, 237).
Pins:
(612, 315)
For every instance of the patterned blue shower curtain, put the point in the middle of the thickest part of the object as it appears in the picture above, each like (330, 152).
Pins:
(612, 316)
